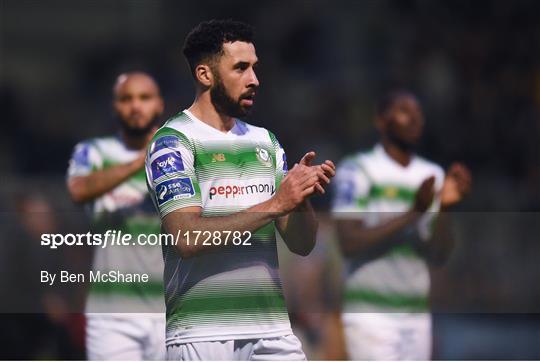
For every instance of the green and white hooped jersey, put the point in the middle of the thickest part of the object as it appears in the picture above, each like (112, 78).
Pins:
(127, 208)
(233, 292)
(372, 187)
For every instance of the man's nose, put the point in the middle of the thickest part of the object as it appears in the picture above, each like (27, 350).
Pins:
(136, 105)
(253, 80)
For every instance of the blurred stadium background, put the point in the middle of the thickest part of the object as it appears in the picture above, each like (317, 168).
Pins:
(475, 66)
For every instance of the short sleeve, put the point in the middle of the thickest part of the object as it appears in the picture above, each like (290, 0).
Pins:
(351, 190)
(281, 160)
(85, 159)
(281, 164)
(170, 173)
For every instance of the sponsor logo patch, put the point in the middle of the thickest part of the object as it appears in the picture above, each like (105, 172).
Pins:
(80, 156)
(163, 143)
(233, 191)
(166, 164)
(345, 194)
(174, 189)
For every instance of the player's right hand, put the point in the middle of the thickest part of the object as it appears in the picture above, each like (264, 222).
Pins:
(301, 182)
(457, 184)
(424, 195)
(325, 171)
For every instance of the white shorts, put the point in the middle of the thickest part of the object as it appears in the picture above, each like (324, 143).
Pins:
(388, 336)
(125, 336)
(282, 348)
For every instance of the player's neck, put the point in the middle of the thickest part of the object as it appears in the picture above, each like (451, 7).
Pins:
(398, 154)
(204, 110)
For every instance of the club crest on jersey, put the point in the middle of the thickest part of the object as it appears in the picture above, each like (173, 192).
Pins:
(166, 164)
(263, 156)
(174, 189)
(390, 192)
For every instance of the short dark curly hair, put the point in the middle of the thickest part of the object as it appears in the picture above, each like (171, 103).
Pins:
(387, 100)
(205, 41)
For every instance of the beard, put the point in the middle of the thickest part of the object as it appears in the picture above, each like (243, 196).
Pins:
(402, 144)
(225, 104)
(136, 131)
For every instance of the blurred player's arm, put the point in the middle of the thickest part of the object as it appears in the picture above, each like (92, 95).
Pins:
(437, 249)
(457, 184)
(356, 238)
(300, 183)
(88, 187)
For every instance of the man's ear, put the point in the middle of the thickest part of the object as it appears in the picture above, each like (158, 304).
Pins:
(204, 75)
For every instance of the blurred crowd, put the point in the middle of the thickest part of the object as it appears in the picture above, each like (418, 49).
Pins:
(475, 66)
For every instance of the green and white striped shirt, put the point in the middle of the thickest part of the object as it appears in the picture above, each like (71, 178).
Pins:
(127, 208)
(234, 292)
(372, 187)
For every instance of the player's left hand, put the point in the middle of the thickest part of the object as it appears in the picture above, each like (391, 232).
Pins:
(325, 171)
(456, 185)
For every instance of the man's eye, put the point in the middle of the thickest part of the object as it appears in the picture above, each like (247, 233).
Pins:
(241, 67)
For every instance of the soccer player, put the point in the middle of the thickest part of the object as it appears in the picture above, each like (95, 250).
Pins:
(107, 174)
(385, 204)
(222, 185)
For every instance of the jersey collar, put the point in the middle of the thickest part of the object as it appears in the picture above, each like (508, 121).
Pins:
(233, 131)
(381, 153)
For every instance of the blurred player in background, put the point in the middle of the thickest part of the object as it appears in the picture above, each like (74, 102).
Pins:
(386, 204)
(210, 172)
(125, 321)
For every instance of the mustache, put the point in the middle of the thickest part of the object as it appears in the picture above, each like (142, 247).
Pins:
(134, 115)
(248, 95)
(135, 131)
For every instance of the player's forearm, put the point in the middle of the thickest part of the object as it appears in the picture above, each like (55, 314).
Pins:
(299, 231)
(89, 187)
(439, 247)
(299, 184)
(357, 239)
(190, 221)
